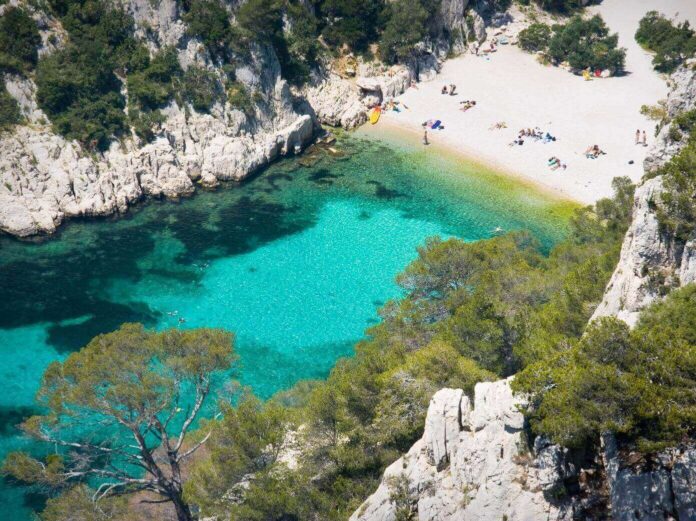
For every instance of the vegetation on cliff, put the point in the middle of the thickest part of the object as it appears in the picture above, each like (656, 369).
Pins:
(672, 44)
(471, 312)
(675, 206)
(635, 383)
(19, 41)
(582, 43)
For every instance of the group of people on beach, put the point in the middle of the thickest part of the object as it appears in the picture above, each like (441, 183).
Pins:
(450, 89)
(537, 134)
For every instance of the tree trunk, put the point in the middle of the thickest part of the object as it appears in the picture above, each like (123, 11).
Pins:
(183, 512)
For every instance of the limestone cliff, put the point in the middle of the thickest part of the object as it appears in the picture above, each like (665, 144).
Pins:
(652, 261)
(45, 179)
(472, 463)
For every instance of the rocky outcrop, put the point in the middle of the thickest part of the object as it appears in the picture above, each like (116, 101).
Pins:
(655, 490)
(45, 179)
(472, 463)
(651, 261)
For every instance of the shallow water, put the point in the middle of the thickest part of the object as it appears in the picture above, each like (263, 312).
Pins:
(295, 261)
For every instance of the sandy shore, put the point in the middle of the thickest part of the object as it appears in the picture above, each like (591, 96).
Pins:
(511, 86)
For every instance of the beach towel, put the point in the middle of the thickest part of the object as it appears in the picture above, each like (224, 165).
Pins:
(436, 124)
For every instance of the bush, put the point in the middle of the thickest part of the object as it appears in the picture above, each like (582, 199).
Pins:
(676, 211)
(19, 40)
(535, 37)
(586, 43)
(200, 88)
(638, 384)
(9, 110)
(238, 96)
(77, 86)
(209, 21)
(671, 44)
(153, 86)
(404, 29)
(354, 23)
(560, 6)
(81, 95)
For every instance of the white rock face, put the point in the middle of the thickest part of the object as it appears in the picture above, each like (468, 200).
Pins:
(650, 259)
(45, 179)
(645, 252)
(471, 463)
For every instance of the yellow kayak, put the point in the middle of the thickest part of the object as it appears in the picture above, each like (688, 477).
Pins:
(375, 113)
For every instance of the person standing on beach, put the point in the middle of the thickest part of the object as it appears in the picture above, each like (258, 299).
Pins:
(425, 138)
(645, 139)
(637, 137)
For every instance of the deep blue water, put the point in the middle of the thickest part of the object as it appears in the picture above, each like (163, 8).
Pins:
(296, 262)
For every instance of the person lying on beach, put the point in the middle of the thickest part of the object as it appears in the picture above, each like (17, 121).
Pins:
(594, 152)
(498, 126)
(555, 163)
(466, 105)
(518, 141)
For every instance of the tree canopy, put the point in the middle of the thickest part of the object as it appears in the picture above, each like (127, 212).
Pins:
(638, 384)
(672, 44)
(582, 43)
(119, 411)
(19, 41)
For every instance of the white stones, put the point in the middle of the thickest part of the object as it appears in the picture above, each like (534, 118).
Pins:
(490, 473)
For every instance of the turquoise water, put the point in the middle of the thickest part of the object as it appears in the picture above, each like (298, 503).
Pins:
(296, 262)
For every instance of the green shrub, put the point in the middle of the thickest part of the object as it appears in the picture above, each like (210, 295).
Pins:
(638, 384)
(209, 21)
(19, 41)
(676, 212)
(239, 97)
(153, 86)
(301, 41)
(586, 43)
(81, 95)
(354, 23)
(560, 6)
(672, 44)
(10, 114)
(404, 29)
(535, 37)
(77, 86)
(200, 88)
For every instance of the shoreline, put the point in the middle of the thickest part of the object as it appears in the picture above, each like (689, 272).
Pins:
(510, 86)
(410, 138)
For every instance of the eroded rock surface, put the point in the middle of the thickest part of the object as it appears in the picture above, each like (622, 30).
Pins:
(471, 463)
(652, 261)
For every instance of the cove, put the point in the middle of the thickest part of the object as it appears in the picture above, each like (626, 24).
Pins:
(295, 261)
